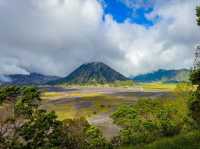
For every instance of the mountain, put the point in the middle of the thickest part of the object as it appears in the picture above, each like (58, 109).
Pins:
(32, 78)
(161, 75)
(92, 72)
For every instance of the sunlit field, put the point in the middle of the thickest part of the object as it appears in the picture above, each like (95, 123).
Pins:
(91, 102)
(81, 104)
(158, 86)
(97, 103)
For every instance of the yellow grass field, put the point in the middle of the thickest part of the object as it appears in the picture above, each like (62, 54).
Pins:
(158, 86)
(88, 102)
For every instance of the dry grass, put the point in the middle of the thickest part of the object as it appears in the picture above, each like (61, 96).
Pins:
(57, 95)
(6, 110)
(159, 86)
(99, 104)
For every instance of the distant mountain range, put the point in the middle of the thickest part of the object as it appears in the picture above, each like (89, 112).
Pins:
(22, 79)
(167, 76)
(96, 72)
(92, 72)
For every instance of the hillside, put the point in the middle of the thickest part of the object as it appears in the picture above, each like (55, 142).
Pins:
(162, 75)
(32, 78)
(92, 72)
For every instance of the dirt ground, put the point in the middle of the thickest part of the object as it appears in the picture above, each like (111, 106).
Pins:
(102, 102)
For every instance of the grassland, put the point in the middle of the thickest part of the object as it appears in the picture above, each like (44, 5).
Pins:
(84, 105)
(158, 86)
(127, 84)
(88, 101)
(183, 141)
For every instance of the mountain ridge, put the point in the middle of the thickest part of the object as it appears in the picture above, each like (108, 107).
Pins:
(27, 79)
(163, 75)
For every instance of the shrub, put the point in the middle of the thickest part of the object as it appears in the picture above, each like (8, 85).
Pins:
(183, 141)
(148, 120)
(32, 127)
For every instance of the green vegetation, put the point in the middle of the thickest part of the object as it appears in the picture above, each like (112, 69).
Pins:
(162, 75)
(167, 122)
(158, 86)
(198, 15)
(183, 141)
(171, 122)
(98, 104)
(194, 103)
(8, 93)
(94, 72)
(34, 128)
(147, 123)
(163, 123)
(126, 83)
(149, 120)
(36, 123)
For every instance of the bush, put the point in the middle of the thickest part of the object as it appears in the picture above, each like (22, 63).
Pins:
(183, 141)
(148, 120)
(9, 93)
(95, 139)
(124, 116)
(194, 106)
(32, 127)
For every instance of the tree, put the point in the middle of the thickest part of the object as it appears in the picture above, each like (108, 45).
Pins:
(27, 101)
(198, 15)
(9, 93)
(95, 139)
(34, 128)
(194, 104)
(42, 131)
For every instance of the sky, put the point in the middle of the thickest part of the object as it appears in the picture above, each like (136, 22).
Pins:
(54, 37)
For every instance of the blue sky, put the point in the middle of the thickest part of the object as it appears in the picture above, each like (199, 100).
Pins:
(135, 13)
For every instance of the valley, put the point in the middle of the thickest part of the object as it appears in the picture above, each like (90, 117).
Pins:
(95, 103)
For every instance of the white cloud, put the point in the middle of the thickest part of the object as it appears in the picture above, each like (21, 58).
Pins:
(138, 3)
(55, 36)
(168, 44)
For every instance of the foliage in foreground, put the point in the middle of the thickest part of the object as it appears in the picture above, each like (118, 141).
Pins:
(33, 128)
(198, 15)
(151, 119)
(194, 104)
(184, 141)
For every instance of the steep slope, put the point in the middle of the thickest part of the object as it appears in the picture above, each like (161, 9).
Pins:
(162, 75)
(92, 72)
(32, 78)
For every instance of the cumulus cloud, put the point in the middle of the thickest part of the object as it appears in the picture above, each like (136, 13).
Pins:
(168, 44)
(55, 36)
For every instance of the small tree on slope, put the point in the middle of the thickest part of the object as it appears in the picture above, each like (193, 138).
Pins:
(194, 104)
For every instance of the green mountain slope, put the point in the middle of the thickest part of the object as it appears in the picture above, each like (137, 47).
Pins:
(92, 72)
(161, 75)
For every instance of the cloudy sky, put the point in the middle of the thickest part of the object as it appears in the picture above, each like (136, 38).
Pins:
(132, 36)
